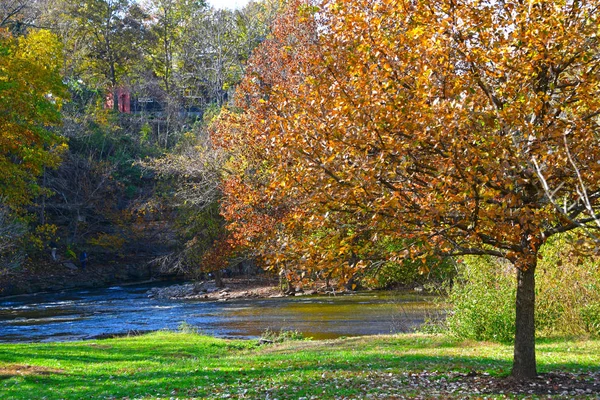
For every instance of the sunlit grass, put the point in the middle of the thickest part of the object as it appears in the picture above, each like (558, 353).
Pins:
(179, 365)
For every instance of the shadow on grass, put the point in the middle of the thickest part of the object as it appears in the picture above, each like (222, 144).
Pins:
(184, 366)
(226, 377)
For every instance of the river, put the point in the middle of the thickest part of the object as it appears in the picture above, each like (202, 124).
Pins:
(121, 310)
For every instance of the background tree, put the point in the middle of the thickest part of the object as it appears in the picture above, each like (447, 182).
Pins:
(98, 197)
(19, 15)
(11, 232)
(420, 123)
(158, 75)
(191, 174)
(31, 94)
(108, 37)
(95, 195)
(215, 47)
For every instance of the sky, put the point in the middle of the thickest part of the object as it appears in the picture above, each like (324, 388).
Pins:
(231, 4)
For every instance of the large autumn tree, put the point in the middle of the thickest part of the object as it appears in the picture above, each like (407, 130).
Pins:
(440, 126)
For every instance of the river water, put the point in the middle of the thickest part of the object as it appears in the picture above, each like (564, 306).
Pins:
(88, 314)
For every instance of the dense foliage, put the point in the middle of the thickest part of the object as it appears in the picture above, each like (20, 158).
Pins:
(143, 80)
(31, 92)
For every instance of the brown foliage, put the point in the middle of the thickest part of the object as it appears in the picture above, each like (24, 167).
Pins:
(421, 122)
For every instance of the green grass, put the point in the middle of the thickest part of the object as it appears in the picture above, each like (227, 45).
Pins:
(183, 365)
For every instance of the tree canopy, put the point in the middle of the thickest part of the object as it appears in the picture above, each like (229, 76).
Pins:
(31, 92)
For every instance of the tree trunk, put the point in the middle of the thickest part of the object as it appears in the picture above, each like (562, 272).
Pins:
(43, 212)
(219, 279)
(524, 366)
(115, 95)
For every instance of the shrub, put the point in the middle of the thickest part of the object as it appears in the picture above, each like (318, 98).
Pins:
(590, 315)
(567, 294)
(568, 282)
(483, 299)
(185, 327)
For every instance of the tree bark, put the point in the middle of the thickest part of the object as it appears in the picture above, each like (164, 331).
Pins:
(524, 365)
(219, 278)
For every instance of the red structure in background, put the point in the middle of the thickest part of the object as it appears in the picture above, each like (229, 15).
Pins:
(123, 98)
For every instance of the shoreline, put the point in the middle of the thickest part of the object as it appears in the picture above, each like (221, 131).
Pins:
(235, 288)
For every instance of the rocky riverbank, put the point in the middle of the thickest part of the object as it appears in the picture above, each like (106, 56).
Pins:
(235, 288)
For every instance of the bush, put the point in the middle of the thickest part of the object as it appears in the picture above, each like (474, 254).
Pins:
(185, 327)
(590, 315)
(568, 282)
(567, 294)
(483, 299)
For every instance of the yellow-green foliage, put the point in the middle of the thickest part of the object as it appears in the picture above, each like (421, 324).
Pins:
(42, 235)
(31, 93)
(107, 241)
(567, 293)
(483, 299)
(568, 283)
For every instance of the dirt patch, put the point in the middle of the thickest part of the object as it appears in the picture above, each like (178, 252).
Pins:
(10, 371)
(565, 384)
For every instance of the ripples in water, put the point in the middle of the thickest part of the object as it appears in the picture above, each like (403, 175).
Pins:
(119, 310)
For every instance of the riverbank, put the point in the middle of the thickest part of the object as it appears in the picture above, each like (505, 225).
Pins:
(186, 365)
(237, 288)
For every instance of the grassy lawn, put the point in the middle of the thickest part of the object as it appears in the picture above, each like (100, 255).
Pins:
(180, 365)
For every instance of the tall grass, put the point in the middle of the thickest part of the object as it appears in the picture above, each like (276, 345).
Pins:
(567, 294)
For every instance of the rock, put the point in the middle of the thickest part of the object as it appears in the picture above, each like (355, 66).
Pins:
(71, 266)
(200, 287)
(172, 292)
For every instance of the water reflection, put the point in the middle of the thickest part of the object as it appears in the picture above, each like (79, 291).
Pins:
(86, 314)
